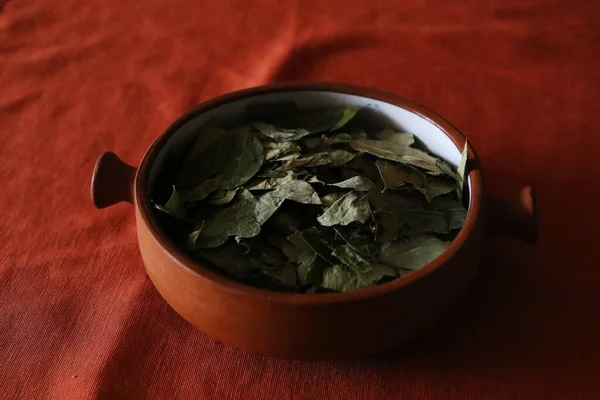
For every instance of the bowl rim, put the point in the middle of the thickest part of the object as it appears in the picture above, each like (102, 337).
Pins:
(144, 206)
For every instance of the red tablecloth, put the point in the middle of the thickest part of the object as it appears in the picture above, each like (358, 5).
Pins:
(79, 318)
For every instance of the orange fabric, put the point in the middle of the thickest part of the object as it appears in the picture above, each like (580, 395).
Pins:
(79, 319)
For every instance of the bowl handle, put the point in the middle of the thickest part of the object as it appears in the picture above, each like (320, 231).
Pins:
(516, 216)
(112, 181)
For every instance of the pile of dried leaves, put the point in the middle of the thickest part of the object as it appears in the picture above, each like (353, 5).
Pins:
(293, 202)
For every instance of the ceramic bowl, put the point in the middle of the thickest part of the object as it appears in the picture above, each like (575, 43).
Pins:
(312, 326)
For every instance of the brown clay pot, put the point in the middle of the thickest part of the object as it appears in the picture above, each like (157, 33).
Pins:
(321, 326)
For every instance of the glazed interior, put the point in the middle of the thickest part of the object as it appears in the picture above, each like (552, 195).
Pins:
(389, 115)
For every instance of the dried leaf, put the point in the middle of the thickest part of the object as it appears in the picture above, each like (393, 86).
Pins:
(245, 159)
(335, 157)
(229, 258)
(271, 257)
(280, 134)
(268, 173)
(411, 210)
(350, 208)
(318, 242)
(395, 175)
(343, 279)
(286, 222)
(346, 137)
(286, 274)
(209, 135)
(399, 153)
(173, 206)
(298, 191)
(414, 254)
(270, 183)
(445, 169)
(275, 150)
(221, 196)
(359, 241)
(351, 259)
(331, 198)
(454, 211)
(436, 187)
(358, 183)
(377, 197)
(199, 192)
(398, 138)
(206, 165)
(236, 220)
(365, 165)
(313, 179)
(309, 268)
(389, 228)
(266, 207)
(286, 245)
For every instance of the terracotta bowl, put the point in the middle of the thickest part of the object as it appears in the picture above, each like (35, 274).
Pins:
(312, 326)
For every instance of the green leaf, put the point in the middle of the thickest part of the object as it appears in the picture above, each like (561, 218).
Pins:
(349, 208)
(358, 183)
(395, 175)
(394, 152)
(335, 157)
(280, 134)
(235, 220)
(245, 159)
(351, 259)
(173, 207)
(414, 254)
(342, 279)
(461, 173)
